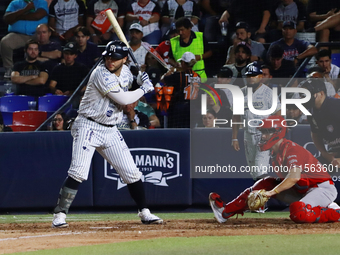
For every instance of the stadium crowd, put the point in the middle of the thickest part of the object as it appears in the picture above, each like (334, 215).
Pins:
(198, 43)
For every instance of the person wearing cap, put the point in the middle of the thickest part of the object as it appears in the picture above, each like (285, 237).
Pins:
(262, 99)
(242, 54)
(185, 82)
(294, 49)
(136, 35)
(324, 121)
(63, 79)
(286, 10)
(147, 13)
(243, 34)
(316, 72)
(194, 42)
(30, 75)
(164, 47)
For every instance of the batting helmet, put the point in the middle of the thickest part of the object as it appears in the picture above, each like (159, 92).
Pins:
(272, 125)
(116, 49)
(253, 69)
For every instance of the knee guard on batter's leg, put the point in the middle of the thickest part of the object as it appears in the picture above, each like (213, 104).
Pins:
(302, 213)
(67, 194)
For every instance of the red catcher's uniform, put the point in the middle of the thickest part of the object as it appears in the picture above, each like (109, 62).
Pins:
(290, 155)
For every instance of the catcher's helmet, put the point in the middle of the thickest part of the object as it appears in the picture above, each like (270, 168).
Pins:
(253, 69)
(116, 49)
(273, 125)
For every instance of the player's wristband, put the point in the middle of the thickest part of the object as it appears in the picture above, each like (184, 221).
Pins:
(234, 140)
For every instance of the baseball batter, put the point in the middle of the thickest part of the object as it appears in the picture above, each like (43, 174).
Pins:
(262, 100)
(95, 129)
(303, 181)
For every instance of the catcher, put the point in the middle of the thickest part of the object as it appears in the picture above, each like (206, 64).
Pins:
(303, 182)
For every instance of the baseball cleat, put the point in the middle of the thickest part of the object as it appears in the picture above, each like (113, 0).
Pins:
(149, 218)
(59, 220)
(217, 205)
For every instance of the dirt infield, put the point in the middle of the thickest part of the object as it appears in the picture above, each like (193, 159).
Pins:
(16, 237)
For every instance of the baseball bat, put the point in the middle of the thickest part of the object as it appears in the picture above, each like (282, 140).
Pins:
(120, 34)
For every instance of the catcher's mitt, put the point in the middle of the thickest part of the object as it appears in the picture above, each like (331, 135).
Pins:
(257, 199)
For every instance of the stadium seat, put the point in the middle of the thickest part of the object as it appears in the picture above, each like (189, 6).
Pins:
(12, 103)
(336, 59)
(34, 118)
(22, 128)
(51, 103)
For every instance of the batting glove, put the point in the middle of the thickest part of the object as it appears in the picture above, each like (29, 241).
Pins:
(142, 77)
(147, 86)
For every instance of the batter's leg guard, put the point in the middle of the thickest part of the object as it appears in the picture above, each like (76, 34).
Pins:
(302, 213)
(66, 195)
(239, 204)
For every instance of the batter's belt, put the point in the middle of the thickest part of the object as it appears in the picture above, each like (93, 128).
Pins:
(105, 125)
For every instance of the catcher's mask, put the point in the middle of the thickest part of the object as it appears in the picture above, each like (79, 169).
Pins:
(272, 125)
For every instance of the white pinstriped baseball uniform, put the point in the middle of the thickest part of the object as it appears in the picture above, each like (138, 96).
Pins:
(92, 134)
(262, 100)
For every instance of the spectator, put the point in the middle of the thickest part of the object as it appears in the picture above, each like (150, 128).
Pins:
(88, 52)
(222, 112)
(324, 16)
(60, 122)
(133, 119)
(256, 14)
(211, 13)
(209, 119)
(262, 99)
(330, 91)
(324, 122)
(189, 41)
(95, 9)
(185, 84)
(164, 47)
(242, 59)
(150, 112)
(294, 113)
(30, 75)
(153, 68)
(294, 49)
(243, 35)
(225, 76)
(175, 9)
(65, 16)
(148, 14)
(136, 35)
(63, 78)
(280, 67)
(331, 72)
(287, 10)
(49, 51)
(22, 18)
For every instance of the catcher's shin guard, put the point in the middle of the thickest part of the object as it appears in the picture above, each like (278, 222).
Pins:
(238, 205)
(302, 213)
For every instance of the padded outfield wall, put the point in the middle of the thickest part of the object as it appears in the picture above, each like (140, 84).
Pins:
(33, 166)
